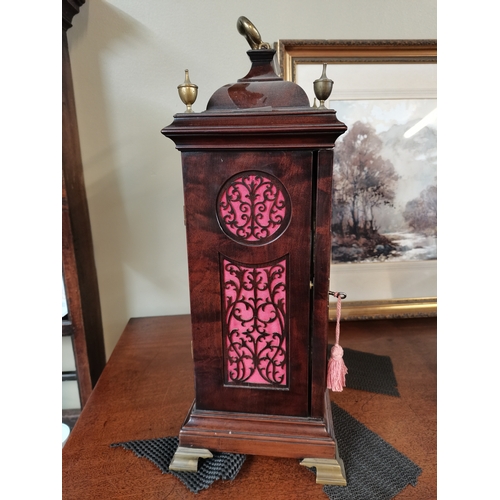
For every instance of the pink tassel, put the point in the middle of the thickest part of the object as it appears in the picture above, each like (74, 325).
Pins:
(337, 370)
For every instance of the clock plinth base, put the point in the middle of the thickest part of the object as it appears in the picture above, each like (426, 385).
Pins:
(260, 434)
(186, 459)
(328, 470)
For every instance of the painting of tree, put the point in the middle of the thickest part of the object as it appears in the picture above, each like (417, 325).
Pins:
(384, 194)
(421, 212)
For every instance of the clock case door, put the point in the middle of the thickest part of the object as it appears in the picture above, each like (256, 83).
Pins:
(250, 288)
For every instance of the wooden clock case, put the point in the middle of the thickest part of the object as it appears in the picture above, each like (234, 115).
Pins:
(257, 174)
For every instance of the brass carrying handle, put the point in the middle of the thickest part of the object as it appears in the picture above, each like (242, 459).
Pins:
(251, 33)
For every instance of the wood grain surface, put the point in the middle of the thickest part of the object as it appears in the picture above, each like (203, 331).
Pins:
(146, 389)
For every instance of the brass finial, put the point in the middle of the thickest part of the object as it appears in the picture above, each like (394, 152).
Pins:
(323, 88)
(250, 32)
(188, 92)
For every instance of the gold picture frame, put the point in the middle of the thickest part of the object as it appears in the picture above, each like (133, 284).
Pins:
(291, 54)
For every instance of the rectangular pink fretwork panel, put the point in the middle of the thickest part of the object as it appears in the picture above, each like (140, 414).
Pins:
(255, 323)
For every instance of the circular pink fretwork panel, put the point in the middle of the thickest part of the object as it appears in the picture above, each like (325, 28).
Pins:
(253, 208)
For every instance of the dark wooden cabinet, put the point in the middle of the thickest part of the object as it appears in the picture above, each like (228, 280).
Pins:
(83, 322)
(257, 172)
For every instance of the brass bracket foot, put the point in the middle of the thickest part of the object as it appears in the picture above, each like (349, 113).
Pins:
(186, 459)
(328, 470)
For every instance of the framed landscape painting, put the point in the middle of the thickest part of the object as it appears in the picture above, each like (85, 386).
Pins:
(384, 214)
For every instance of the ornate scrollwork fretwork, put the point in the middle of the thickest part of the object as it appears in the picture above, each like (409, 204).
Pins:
(255, 323)
(253, 208)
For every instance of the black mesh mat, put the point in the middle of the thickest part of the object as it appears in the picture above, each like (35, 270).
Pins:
(374, 469)
(160, 452)
(369, 372)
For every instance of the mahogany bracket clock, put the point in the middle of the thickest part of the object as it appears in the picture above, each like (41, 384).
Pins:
(257, 174)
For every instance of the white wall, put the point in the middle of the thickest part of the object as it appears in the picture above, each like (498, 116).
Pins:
(127, 59)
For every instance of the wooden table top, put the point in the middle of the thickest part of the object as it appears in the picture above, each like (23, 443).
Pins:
(146, 389)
